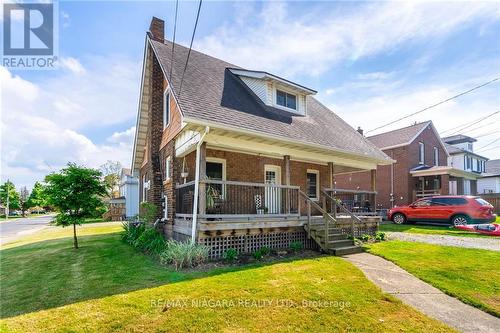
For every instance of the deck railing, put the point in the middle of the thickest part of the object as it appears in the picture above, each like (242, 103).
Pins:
(227, 199)
(355, 201)
(419, 194)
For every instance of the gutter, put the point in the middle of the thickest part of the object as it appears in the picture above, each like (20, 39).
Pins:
(197, 186)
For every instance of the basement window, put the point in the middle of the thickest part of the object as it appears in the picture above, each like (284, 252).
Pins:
(285, 99)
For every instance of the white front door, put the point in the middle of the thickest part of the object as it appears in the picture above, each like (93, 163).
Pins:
(272, 175)
(453, 187)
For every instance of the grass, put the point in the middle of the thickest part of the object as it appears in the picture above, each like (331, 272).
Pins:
(95, 220)
(429, 230)
(107, 286)
(468, 274)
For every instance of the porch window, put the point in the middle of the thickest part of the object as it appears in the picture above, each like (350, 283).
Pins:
(312, 184)
(421, 151)
(216, 170)
(436, 156)
(285, 99)
(166, 108)
(167, 167)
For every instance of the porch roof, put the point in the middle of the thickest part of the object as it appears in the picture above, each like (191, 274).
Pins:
(444, 170)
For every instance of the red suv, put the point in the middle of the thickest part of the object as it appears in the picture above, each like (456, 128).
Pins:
(457, 210)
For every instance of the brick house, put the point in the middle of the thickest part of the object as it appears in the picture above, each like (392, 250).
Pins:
(241, 158)
(421, 167)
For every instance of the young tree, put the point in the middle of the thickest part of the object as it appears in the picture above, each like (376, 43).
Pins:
(76, 194)
(9, 189)
(24, 202)
(111, 172)
(37, 196)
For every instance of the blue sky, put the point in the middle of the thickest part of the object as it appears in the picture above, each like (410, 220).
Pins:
(371, 62)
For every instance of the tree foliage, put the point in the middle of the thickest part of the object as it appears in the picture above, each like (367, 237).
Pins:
(9, 189)
(111, 172)
(24, 202)
(38, 198)
(76, 194)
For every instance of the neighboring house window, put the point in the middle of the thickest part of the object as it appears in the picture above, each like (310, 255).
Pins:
(421, 153)
(167, 168)
(469, 146)
(166, 108)
(312, 184)
(436, 156)
(469, 162)
(285, 99)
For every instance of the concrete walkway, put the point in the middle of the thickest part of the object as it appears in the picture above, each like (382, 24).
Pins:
(483, 243)
(431, 301)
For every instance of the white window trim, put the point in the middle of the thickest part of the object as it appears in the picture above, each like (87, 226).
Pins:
(223, 162)
(421, 153)
(168, 167)
(436, 156)
(275, 97)
(275, 168)
(318, 184)
(165, 210)
(165, 122)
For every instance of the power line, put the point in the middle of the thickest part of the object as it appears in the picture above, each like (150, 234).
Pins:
(494, 147)
(437, 104)
(485, 134)
(190, 46)
(173, 42)
(486, 145)
(467, 124)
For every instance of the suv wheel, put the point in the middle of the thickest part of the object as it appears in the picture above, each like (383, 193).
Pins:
(459, 220)
(398, 218)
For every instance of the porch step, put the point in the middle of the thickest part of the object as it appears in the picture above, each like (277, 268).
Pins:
(342, 251)
(338, 244)
(332, 236)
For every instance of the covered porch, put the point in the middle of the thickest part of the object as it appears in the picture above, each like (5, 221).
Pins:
(443, 180)
(249, 186)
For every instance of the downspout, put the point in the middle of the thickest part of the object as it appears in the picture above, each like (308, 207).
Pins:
(197, 185)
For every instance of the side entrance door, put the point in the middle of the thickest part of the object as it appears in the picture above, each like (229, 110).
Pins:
(272, 176)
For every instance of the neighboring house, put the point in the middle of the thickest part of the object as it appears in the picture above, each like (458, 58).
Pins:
(129, 189)
(462, 157)
(420, 169)
(490, 180)
(239, 158)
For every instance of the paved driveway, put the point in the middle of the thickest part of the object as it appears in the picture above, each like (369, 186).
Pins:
(15, 228)
(484, 243)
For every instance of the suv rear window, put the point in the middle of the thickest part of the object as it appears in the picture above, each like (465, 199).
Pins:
(482, 202)
(449, 201)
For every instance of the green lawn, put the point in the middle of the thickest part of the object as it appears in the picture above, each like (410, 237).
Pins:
(428, 229)
(470, 275)
(107, 286)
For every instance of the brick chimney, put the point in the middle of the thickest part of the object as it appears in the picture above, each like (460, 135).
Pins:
(157, 29)
(360, 130)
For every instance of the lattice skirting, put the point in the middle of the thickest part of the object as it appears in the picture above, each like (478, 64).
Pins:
(251, 243)
(180, 237)
(364, 228)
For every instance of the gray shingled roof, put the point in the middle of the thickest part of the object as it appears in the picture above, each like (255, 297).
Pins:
(210, 92)
(457, 138)
(401, 136)
(493, 167)
(453, 150)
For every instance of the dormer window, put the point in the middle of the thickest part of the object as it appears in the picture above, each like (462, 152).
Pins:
(285, 99)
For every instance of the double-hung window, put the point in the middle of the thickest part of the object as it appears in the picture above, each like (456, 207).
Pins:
(436, 156)
(312, 184)
(168, 162)
(166, 108)
(285, 99)
(421, 153)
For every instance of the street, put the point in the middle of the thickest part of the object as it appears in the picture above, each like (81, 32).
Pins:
(15, 228)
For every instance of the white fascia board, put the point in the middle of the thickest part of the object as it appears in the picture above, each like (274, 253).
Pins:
(286, 140)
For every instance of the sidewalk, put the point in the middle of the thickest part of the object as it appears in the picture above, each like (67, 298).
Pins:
(431, 301)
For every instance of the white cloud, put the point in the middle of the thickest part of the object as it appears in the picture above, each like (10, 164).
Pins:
(291, 44)
(42, 125)
(72, 64)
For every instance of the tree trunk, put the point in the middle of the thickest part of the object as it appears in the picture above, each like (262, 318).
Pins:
(75, 240)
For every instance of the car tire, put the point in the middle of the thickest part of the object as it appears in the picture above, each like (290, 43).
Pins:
(399, 218)
(459, 219)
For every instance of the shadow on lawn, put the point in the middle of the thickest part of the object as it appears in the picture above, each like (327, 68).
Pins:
(51, 273)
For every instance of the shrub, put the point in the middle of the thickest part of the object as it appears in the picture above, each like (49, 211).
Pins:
(132, 232)
(365, 238)
(230, 255)
(380, 236)
(260, 253)
(150, 241)
(148, 212)
(184, 254)
(296, 246)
